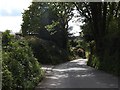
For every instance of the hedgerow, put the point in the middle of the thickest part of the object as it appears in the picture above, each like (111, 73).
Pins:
(20, 69)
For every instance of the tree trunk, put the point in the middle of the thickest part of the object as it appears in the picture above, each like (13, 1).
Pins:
(99, 28)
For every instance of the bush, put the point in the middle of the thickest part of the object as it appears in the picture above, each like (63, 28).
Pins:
(6, 38)
(109, 61)
(20, 68)
(7, 78)
(38, 49)
(46, 51)
(95, 62)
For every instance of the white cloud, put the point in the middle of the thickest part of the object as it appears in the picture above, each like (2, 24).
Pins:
(11, 7)
(11, 23)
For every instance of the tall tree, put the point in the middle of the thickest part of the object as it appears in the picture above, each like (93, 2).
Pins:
(95, 17)
(102, 21)
(52, 17)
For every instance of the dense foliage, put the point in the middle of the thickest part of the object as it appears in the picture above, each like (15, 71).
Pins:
(20, 68)
(48, 21)
(101, 31)
(47, 24)
(47, 52)
(78, 48)
(45, 33)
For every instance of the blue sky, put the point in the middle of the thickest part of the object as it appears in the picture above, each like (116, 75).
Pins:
(13, 12)
(11, 15)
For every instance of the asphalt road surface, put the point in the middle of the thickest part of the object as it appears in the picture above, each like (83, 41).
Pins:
(76, 74)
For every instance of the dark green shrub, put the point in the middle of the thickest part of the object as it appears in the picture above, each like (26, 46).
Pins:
(38, 49)
(7, 78)
(6, 38)
(110, 61)
(20, 67)
(46, 51)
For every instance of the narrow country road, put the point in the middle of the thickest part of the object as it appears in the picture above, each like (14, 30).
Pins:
(76, 74)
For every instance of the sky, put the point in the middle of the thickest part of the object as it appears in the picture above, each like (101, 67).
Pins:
(11, 15)
(75, 24)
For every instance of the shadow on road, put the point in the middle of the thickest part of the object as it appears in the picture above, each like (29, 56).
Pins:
(76, 74)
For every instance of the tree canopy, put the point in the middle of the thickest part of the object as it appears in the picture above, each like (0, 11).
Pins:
(48, 18)
(100, 29)
(101, 26)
